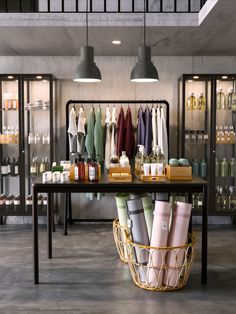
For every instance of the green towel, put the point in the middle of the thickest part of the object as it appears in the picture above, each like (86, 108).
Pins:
(89, 142)
(148, 213)
(98, 137)
(121, 199)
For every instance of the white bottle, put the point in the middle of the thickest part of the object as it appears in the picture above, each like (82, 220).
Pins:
(124, 160)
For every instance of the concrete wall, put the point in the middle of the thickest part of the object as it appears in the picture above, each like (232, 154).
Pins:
(115, 85)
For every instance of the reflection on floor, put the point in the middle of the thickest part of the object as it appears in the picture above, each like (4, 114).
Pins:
(86, 276)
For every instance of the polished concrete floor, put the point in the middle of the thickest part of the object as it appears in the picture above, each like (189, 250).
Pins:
(86, 276)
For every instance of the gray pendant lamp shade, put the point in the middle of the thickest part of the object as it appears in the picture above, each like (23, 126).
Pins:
(87, 71)
(144, 70)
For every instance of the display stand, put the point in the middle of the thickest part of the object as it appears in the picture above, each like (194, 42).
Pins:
(78, 103)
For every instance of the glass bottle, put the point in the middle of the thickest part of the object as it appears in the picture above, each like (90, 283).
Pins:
(76, 170)
(195, 168)
(124, 160)
(199, 201)
(33, 169)
(13, 166)
(232, 198)
(153, 156)
(232, 167)
(217, 168)
(219, 204)
(42, 167)
(140, 158)
(81, 169)
(225, 199)
(72, 172)
(47, 164)
(16, 170)
(224, 168)
(191, 102)
(9, 165)
(93, 171)
(229, 99)
(4, 168)
(203, 168)
(220, 100)
(201, 102)
(114, 160)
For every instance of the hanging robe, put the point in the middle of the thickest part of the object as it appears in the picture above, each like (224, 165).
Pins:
(120, 133)
(72, 131)
(81, 132)
(154, 128)
(113, 131)
(141, 128)
(129, 135)
(148, 133)
(89, 141)
(108, 138)
(98, 137)
(164, 137)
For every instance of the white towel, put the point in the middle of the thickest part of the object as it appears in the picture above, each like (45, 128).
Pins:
(81, 132)
(72, 131)
(113, 131)
(154, 128)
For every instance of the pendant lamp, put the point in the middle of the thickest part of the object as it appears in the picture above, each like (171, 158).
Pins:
(144, 70)
(87, 71)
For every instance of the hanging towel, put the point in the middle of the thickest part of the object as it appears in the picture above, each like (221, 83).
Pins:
(98, 137)
(120, 133)
(113, 131)
(148, 133)
(159, 137)
(141, 128)
(89, 141)
(72, 131)
(129, 135)
(81, 132)
(164, 138)
(154, 128)
(108, 138)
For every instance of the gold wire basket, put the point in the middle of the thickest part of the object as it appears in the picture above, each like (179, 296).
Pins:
(121, 233)
(160, 269)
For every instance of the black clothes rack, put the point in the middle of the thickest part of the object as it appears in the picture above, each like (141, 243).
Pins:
(68, 207)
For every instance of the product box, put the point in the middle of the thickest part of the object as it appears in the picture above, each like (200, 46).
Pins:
(179, 173)
(120, 174)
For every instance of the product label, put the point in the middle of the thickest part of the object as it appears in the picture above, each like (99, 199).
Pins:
(4, 169)
(92, 173)
(32, 169)
(76, 173)
(164, 225)
(16, 202)
(199, 203)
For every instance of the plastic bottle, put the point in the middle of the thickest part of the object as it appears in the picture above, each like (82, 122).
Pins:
(153, 155)
(195, 168)
(93, 171)
(140, 158)
(203, 169)
(124, 160)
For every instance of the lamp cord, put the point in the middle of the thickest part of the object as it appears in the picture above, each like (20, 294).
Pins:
(87, 22)
(144, 23)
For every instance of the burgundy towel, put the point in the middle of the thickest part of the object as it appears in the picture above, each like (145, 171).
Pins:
(129, 135)
(120, 132)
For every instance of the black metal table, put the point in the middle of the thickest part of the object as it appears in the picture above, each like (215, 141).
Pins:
(197, 185)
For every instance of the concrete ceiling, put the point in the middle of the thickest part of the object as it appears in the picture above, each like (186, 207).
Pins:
(216, 35)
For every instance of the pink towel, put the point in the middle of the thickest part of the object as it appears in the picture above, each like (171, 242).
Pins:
(178, 237)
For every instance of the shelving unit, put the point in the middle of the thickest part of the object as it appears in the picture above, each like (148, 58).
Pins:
(23, 90)
(215, 146)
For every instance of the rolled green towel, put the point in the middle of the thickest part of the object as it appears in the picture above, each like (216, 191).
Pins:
(148, 213)
(121, 199)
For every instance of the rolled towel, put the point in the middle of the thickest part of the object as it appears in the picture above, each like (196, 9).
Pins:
(178, 237)
(148, 213)
(159, 238)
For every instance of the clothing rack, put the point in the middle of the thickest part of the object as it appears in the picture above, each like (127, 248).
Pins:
(68, 208)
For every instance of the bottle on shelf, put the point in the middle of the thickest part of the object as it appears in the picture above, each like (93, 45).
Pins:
(81, 169)
(9, 166)
(42, 166)
(76, 170)
(34, 168)
(124, 160)
(232, 168)
(217, 167)
(9, 199)
(195, 168)
(140, 158)
(219, 199)
(203, 168)
(47, 164)
(2, 199)
(16, 167)
(229, 98)
(220, 100)
(93, 172)
(16, 200)
(114, 160)
(201, 102)
(191, 102)
(224, 167)
(160, 160)
(4, 167)
(232, 198)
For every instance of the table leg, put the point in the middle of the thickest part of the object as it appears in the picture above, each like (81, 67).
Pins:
(190, 200)
(204, 236)
(70, 209)
(49, 225)
(35, 236)
(66, 214)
